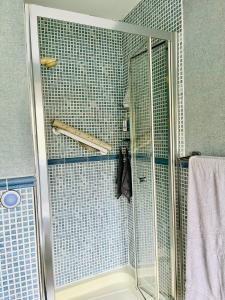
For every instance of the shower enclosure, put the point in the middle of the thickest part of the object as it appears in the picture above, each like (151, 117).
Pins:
(83, 229)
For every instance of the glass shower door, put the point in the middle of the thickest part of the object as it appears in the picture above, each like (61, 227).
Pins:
(164, 209)
(152, 171)
(143, 204)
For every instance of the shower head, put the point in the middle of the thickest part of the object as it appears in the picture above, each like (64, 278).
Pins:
(49, 62)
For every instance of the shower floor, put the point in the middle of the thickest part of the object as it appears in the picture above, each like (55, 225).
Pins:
(119, 295)
(117, 285)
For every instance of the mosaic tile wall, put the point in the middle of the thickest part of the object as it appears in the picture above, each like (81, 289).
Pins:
(182, 189)
(18, 250)
(86, 91)
(163, 230)
(89, 223)
(163, 15)
(86, 88)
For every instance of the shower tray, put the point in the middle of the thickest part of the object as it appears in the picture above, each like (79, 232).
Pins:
(118, 284)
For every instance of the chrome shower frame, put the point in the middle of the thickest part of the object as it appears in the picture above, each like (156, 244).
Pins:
(44, 228)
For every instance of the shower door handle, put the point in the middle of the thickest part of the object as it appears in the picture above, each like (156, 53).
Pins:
(142, 179)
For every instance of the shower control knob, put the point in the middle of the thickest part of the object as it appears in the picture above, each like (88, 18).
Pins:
(10, 199)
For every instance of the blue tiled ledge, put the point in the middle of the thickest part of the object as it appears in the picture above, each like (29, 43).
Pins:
(51, 162)
(17, 183)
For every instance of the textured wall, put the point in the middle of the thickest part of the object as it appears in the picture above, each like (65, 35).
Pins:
(16, 147)
(204, 75)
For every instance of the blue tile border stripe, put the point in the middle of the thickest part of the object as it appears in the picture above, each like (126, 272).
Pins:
(17, 183)
(73, 160)
(51, 162)
(183, 164)
(30, 181)
(161, 161)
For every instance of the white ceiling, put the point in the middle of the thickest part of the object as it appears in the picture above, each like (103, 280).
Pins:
(110, 9)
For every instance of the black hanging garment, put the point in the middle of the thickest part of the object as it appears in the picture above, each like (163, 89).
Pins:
(119, 174)
(126, 187)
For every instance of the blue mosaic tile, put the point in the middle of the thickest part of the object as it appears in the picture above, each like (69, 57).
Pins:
(89, 223)
(19, 278)
(86, 91)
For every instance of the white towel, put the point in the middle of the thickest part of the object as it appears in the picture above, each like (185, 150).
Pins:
(205, 263)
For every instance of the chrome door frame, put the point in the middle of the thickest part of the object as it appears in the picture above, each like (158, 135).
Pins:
(43, 200)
